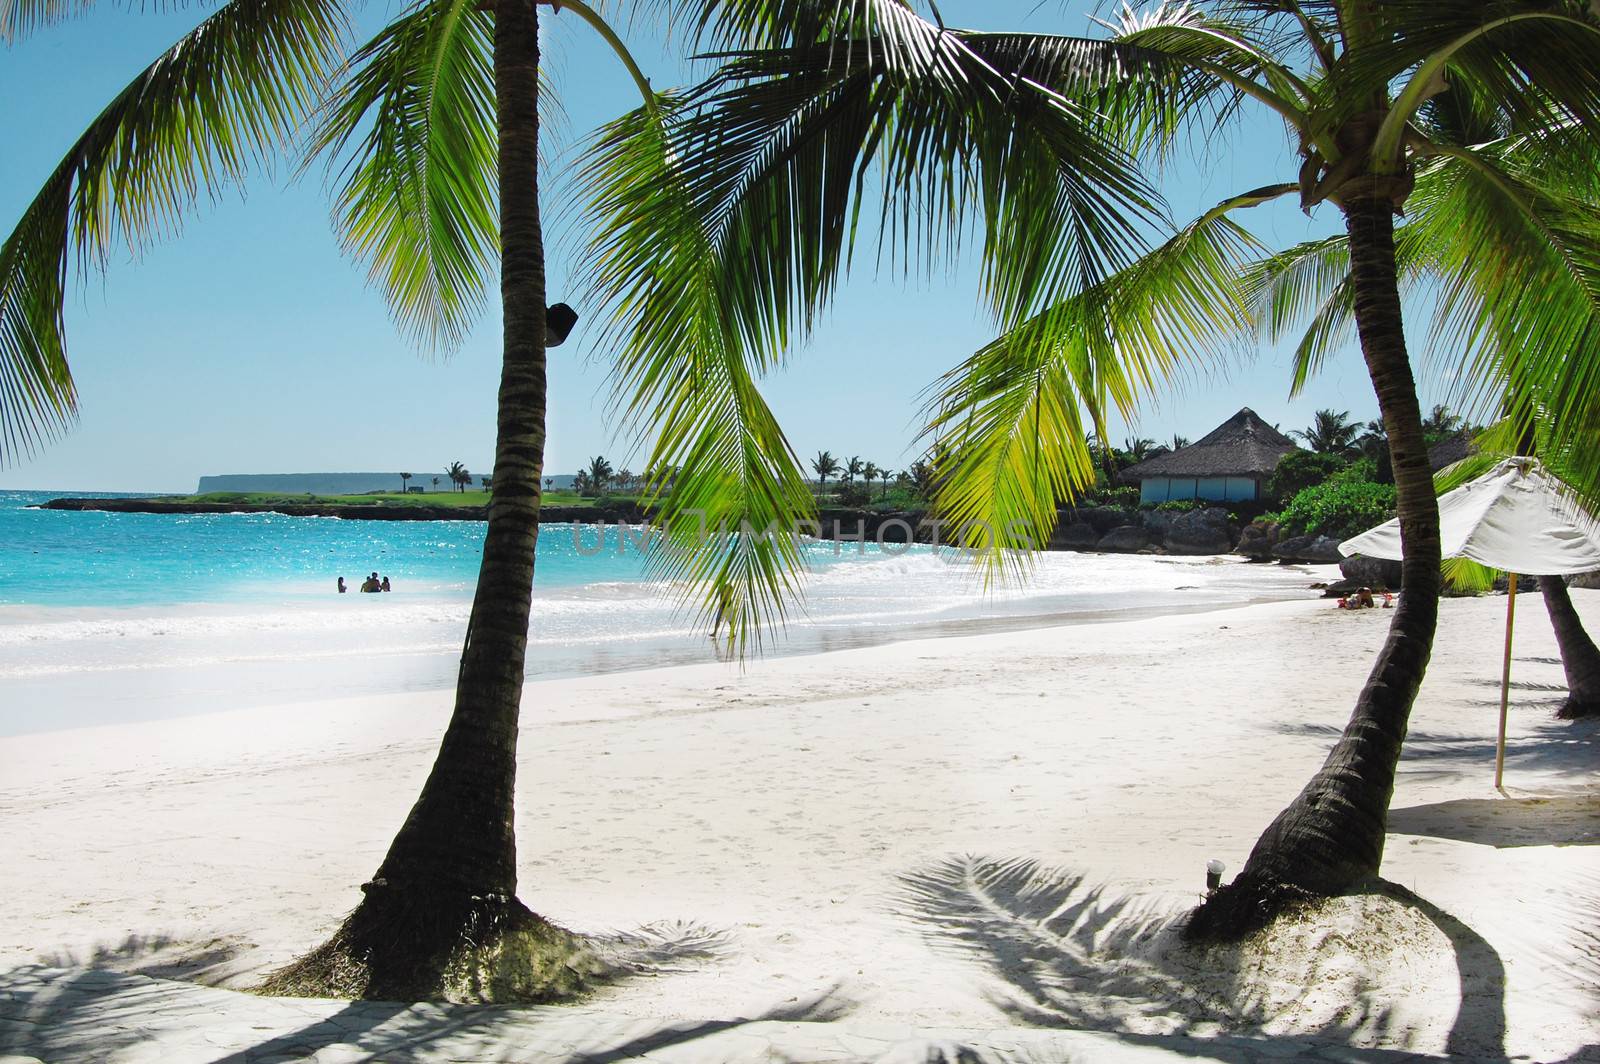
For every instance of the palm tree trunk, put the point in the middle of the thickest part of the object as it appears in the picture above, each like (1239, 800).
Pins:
(1579, 656)
(1331, 836)
(445, 893)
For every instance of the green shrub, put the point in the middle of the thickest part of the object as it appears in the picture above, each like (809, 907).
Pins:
(1338, 508)
(1127, 496)
(1179, 506)
(1299, 470)
(852, 495)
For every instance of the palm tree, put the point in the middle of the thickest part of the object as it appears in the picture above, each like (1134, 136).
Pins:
(884, 475)
(624, 480)
(549, 484)
(458, 475)
(1178, 442)
(824, 465)
(1373, 443)
(923, 479)
(1330, 432)
(1139, 449)
(852, 469)
(580, 482)
(404, 477)
(1580, 658)
(1358, 84)
(433, 125)
(869, 473)
(435, 483)
(599, 474)
(1440, 422)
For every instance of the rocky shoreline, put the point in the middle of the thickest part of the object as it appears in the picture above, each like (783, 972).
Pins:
(345, 511)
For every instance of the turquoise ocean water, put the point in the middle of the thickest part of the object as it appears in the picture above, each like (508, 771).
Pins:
(59, 557)
(119, 617)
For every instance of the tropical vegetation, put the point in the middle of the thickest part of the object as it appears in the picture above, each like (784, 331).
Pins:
(1345, 504)
(1330, 432)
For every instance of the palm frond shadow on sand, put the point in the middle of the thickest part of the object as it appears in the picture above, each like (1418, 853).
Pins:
(79, 1013)
(1065, 952)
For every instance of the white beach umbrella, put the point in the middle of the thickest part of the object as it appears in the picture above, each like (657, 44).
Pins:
(1516, 517)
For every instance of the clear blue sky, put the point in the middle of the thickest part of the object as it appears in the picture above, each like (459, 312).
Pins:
(248, 344)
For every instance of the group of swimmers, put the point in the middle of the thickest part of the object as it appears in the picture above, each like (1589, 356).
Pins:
(370, 584)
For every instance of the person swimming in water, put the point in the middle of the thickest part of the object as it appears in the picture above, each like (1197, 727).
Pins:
(370, 584)
(385, 585)
(342, 588)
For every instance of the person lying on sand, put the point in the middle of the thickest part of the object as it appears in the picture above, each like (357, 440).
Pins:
(1363, 600)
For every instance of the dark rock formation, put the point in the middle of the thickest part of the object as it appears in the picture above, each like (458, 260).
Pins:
(1376, 573)
(1124, 540)
(1258, 539)
(1316, 550)
(1206, 531)
(1078, 535)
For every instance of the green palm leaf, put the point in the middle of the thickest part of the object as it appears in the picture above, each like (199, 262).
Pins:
(688, 353)
(1011, 421)
(226, 96)
(960, 129)
(416, 194)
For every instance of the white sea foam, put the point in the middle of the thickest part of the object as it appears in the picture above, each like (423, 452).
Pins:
(296, 637)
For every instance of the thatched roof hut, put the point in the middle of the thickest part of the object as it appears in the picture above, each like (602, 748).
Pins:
(1451, 450)
(1228, 464)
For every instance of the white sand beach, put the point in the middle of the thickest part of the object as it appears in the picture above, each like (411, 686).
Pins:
(975, 832)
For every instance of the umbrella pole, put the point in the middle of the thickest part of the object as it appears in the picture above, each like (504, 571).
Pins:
(1505, 682)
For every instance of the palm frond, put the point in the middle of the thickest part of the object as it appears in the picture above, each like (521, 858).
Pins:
(1523, 320)
(416, 195)
(19, 18)
(1468, 576)
(1306, 288)
(1539, 62)
(227, 96)
(1010, 422)
(1226, 63)
(689, 344)
(960, 129)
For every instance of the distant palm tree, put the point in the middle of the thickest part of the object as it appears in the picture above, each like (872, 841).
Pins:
(852, 469)
(435, 483)
(625, 478)
(884, 475)
(600, 474)
(580, 483)
(1374, 444)
(403, 478)
(869, 472)
(825, 466)
(1179, 442)
(458, 475)
(549, 483)
(1440, 422)
(485, 481)
(922, 478)
(1330, 432)
(1139, 449)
